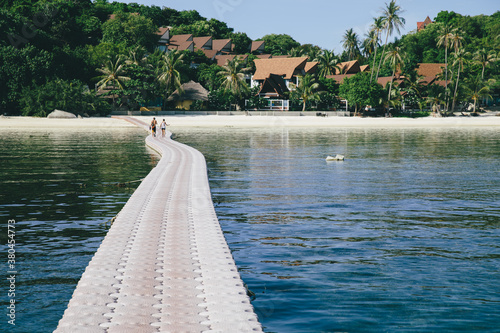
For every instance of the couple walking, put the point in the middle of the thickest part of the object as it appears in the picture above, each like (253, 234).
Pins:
(154, 123)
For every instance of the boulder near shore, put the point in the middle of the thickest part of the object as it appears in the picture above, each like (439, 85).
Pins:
(61, 114)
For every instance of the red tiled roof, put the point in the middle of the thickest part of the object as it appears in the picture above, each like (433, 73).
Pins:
(430, 69)
(274, 86)
(422, 25)
(182, 46)
(177, 39)
(339, 78)
(210, 54)
(349, 67)
(223, 59)
(286, 67)
(201, 42)
(220, 44)
(364, 68)
(256, 45)
(311, 67)
(264, 56)
(161, 31)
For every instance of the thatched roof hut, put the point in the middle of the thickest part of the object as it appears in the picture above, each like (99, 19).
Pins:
(192, 91)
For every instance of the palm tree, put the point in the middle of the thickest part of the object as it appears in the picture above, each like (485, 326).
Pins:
(306, 89)
(377, 27)
(395, 59)
(436, 101)
(413, 86)
(392, 22)
(484, 58)
(168, 74)
(329, 64)
(350, 43)
(369, 43)
(445, 35)
(390, 97)
(137, 56)
(234, 78)
(296, 52)
(113, 74)
(476, 88)
(459, 59)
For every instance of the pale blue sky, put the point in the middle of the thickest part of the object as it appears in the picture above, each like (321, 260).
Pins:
(319, 22)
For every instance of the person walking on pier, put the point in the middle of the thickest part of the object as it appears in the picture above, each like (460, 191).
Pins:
(163, 127)
(153, 127)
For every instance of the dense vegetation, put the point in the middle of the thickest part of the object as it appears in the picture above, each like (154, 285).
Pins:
(70, 55)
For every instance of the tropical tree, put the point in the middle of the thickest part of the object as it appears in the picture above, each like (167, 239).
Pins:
(295, 52)
(413, 87)
(395, 60)
(392, 22)
(359, 90)
(113, 75)
(350, 43)
(168, 72)
(306, 89)
(484, 58)
(369, 43)
(476, 89)
(377, 27)
(459, 59)
(137, 56)
(329, 64)
(234, 78)
(390, 97)
(443, 40)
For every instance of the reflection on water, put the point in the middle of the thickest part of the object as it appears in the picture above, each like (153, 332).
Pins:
(61, 188)
(401, 236)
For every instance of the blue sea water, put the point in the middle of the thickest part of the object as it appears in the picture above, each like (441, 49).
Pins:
(62, 189)
(402, 236)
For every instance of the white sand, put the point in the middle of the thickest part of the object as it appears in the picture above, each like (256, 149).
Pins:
(489, 119)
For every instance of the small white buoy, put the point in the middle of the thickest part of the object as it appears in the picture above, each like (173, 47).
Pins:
(337, 157)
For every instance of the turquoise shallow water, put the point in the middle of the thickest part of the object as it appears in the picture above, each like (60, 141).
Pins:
(400, 237)
(61, 188)
(403, 236)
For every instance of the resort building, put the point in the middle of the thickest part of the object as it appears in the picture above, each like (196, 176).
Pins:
(257, 46)
(192, 91)
(214, 49)
(432, 73)
(425, 23)
(274, 76)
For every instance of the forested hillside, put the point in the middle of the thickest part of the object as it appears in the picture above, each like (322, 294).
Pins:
(55, 54)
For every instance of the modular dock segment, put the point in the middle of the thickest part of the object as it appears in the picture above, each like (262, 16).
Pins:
(164, 265)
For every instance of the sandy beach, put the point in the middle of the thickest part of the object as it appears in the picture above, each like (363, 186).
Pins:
(489, 119)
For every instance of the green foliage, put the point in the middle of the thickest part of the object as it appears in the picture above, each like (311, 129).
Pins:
(71, 96)
(360, 91)
(131, 29)
(19, 68)
(208, 76)
(202, 27)
(255, 101)
(241, 42)
(218, 100)
(279, 44)
(142, 86)
(306, 90)
(328, 85)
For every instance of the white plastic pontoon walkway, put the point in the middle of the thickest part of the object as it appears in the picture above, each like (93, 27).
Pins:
(164, 265)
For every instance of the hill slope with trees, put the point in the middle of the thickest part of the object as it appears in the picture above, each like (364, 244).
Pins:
(70, 55)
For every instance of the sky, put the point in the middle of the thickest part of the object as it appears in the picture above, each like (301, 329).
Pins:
(318, 22)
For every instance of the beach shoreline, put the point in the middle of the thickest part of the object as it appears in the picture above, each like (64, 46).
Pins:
(239, 121)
